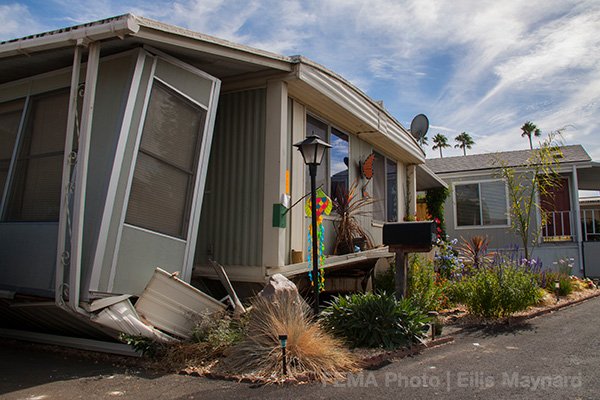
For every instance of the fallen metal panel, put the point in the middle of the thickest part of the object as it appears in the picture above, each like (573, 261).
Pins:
(77, 343)
(106, 302)
(122, 317)
(174, 306)
(49, 318)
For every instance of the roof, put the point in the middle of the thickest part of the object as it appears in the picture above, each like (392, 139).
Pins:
(517, 158)
(39, 53)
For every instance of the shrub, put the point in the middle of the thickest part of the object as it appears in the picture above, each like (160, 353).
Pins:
(474, 252)
(375, 320)
(310, 349)
(446, 260)
(143, 345)
(425, 287)
(218, 331)
(498, 291)
(385, 281)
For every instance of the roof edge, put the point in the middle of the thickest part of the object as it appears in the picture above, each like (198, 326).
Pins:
(118, 26)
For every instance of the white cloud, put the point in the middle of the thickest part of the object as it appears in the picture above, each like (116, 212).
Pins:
(482, 67)
(16, 21)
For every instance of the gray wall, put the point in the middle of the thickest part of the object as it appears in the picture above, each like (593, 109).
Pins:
(231, 221)
(499, 237)
(114, 80)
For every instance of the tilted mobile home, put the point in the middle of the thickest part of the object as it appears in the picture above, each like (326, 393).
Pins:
(128, 144)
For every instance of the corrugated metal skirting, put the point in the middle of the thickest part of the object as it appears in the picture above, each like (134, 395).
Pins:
(231, 223)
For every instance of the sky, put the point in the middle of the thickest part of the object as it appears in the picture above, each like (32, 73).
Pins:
(481, 67)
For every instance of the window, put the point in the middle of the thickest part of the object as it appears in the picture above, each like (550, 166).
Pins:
(165, 170)
(10, 117)
(339, 163)
(385, 189)
(332, 174)
(481, 204)
(36, 184)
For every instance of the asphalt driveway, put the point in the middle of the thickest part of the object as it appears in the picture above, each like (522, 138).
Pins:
(556, 356)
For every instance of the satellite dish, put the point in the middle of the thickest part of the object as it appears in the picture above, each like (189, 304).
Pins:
(419, 127)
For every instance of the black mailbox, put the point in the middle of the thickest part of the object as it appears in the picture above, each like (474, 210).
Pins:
(410, 237)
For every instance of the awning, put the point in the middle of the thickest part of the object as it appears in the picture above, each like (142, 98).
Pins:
(427, 179)
(589, 178)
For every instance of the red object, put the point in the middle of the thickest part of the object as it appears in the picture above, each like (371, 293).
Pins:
(366, 168)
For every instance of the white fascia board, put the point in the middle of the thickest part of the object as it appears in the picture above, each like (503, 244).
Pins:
(165, 33)
(99, 30)
(361, 106)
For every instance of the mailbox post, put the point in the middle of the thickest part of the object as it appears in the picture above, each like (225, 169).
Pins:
(407, 237)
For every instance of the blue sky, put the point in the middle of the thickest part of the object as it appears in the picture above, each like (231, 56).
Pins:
(484, 67)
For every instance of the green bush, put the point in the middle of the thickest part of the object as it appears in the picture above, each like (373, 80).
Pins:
(425, 289)
(218, 331)
(385, 281)
(498, 291)
(375, 320)
(564, 280)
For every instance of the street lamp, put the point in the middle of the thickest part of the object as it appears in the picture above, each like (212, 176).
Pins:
(312, 149)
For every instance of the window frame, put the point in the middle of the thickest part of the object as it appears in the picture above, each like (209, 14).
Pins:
(22, 136)
(192, 174)
(327, 157)
(481, 225)
(386, 160)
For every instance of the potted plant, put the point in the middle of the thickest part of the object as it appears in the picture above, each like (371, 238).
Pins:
(347, 206)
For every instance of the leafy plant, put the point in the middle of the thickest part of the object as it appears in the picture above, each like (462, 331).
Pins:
(425, 287)
(375, 320)
(348, 205)
(446, 260)
(499, 291)
(385, 281)
(435, 199)
(219, 330)
(474, 252)
(539, 175)
(142, 345)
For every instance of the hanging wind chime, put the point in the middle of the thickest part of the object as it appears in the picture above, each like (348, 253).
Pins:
(323, 206)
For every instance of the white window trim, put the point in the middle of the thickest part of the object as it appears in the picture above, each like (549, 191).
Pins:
(330, 126)
(468, 227)
(376, 222)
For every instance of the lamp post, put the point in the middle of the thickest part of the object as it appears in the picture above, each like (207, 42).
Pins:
(313, 149)
(283, 341)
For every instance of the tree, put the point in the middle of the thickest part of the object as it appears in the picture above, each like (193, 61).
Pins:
(440, 142)
(529, 129)
(537, 176)
(465, 141)
(422, 140)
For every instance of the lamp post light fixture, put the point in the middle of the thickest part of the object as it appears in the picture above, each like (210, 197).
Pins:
(283, 340)
(313, 149)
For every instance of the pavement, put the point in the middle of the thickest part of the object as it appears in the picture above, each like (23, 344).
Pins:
(555, 356)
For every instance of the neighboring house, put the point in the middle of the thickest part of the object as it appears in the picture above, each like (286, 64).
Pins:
(479, 205)
(127, 144)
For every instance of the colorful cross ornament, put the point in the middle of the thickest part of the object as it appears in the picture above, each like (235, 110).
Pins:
(324, 206)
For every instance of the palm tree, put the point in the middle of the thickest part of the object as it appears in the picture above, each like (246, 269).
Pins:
(529, 129)
(465, 141)
(422, 140)
(440, 142)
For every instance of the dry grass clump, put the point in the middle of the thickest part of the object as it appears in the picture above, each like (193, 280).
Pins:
(310, 350)
(185, 355)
